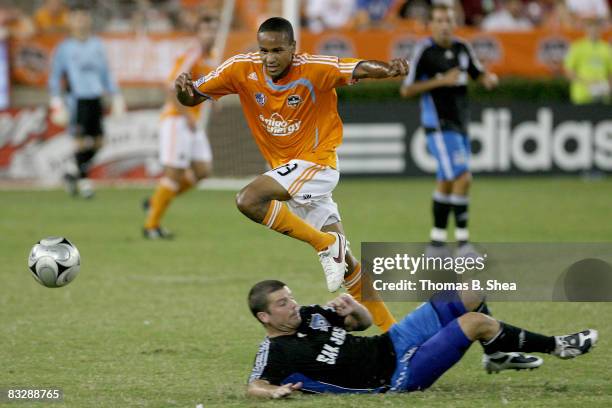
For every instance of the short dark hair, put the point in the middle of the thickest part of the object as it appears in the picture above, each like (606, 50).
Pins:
(207, 19)
(441, 7)
(258, 295)
(277, 25)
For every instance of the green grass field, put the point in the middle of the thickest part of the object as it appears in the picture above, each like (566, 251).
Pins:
(165, 324)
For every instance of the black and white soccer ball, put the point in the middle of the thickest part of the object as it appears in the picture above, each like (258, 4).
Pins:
(54, 262)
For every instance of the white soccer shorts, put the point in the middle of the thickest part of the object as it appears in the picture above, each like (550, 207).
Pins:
(179, 145)
(311, 187)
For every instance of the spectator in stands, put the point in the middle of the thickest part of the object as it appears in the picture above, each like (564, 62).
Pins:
(556, 15)
(149, 19)
(581, 9)
(329, 14)
(508, 17)
(588, 65)
(51, 17)
(15, 23)
(372, 13)
(188, 16)
(414, 14)
(475, 11)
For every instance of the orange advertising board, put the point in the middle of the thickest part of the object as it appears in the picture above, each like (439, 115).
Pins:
(147, 60)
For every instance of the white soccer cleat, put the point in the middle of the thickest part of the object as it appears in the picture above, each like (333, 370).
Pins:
(573, 345)
(85, 188)
(467, 251)
(333, 260)
(494, 363)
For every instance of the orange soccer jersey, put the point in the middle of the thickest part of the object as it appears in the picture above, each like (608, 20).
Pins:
(196, 63)
(293, 118)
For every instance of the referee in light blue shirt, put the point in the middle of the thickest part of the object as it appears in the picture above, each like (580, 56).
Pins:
(79, 78)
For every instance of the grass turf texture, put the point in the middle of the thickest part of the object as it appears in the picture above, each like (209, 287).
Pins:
(165, 324)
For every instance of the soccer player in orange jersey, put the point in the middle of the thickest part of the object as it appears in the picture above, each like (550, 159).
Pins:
(290, 104)
(184, 150)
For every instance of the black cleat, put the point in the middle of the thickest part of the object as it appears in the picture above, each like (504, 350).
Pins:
(494, 363)
(438, 251)
(157, 233)
(146, 204)
(70, 182)
(573, 345)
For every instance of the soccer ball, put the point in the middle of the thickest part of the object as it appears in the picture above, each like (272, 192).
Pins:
(54, 262)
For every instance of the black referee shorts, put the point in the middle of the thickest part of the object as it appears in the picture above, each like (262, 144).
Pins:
(88, 120)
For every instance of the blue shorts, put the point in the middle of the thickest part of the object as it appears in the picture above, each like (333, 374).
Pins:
(428, 342)
(452, 152)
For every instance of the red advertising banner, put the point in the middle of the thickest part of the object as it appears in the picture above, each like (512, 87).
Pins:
(147, 60)
(32, 148)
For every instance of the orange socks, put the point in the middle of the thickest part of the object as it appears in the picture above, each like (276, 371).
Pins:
(380, 313)
(281, 219)
(166, 190)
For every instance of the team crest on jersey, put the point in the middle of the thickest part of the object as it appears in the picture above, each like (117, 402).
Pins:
(253, 76)
(318, 322)
(260, 98)
(294, 100)
(464, 60)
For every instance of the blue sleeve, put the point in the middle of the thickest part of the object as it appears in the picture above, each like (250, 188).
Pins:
(108, 81)
(362, 4)
(318, 387)
(58, 68)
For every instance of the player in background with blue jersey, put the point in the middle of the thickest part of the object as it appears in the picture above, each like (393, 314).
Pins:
(80, 76)
(439, 72)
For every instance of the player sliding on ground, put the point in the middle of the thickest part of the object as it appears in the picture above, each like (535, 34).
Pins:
(290, 104)
(307, 348)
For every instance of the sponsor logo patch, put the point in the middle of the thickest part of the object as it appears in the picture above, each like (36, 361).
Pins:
(276, 125)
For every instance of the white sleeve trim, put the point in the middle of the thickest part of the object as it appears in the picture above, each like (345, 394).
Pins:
(414, 61)
(261, 360)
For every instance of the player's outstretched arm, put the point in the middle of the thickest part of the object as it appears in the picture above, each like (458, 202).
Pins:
(263, 389)
(185, 91)
(379, 70)
(356, 316)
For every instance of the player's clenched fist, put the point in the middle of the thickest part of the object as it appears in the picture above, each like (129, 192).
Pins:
(399, 67)
(184, 85)
(344, 304)
(185, 91)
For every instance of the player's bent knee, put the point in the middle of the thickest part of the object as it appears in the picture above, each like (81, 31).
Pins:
(247, 201)
(202, 170)
(477, 325)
